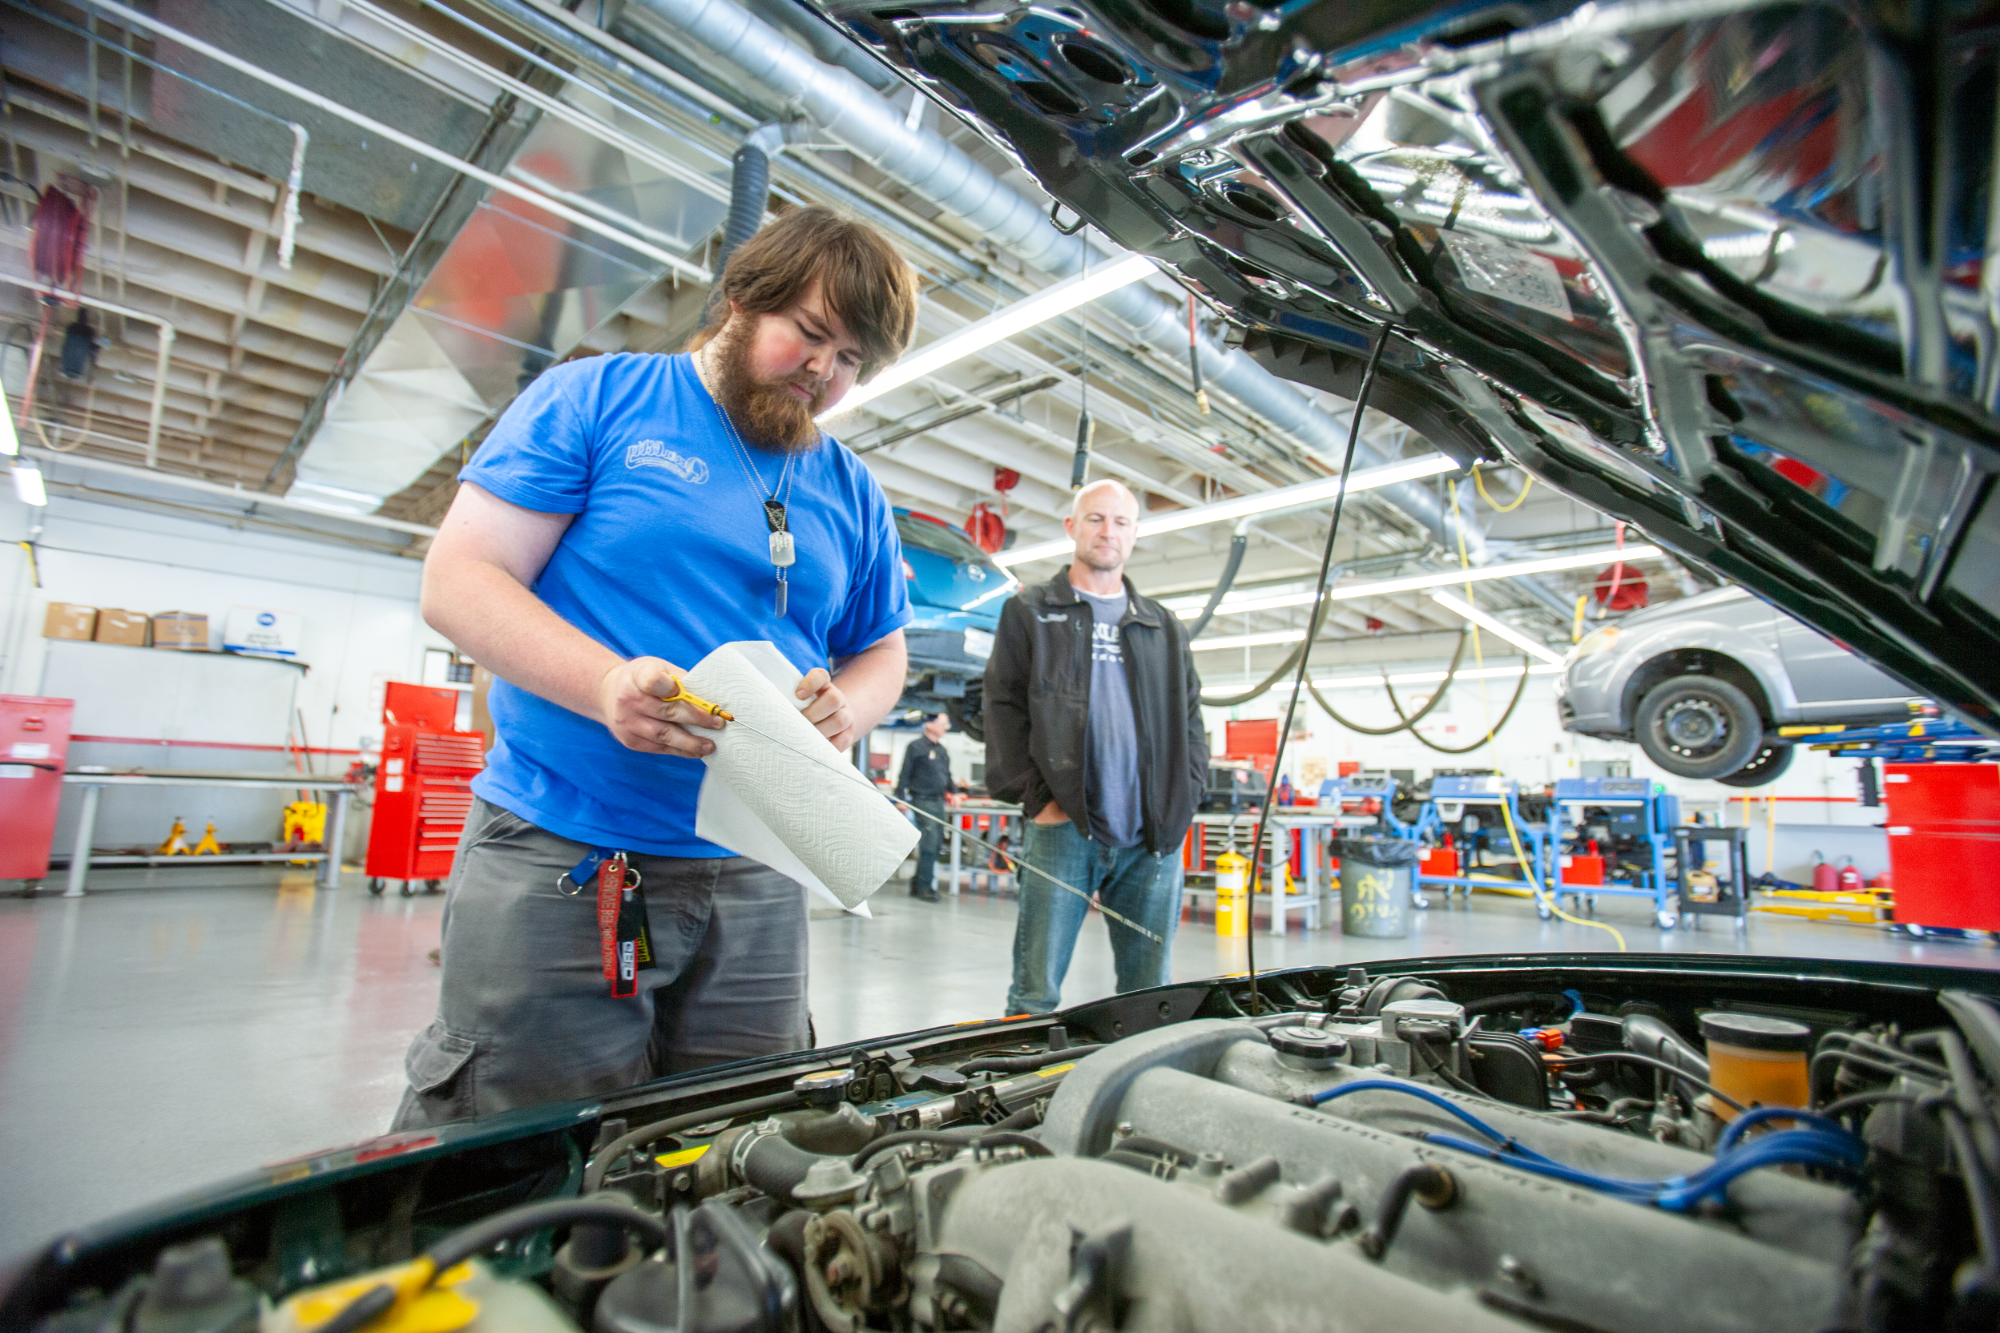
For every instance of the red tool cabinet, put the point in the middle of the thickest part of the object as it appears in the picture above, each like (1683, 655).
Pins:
(34, 746)
(1944, 844)
(423, 789)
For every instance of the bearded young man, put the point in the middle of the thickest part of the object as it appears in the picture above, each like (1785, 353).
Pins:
(621, 521)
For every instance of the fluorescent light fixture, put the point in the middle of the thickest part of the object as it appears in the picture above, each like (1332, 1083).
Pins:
(1495, 625)
(1248, 640)
(1404, 678)
(333, 499)
(1308, 494)
(1431, 677)
(28, 484)
(1480, 573)
(999, 326)
(1419, 582)
(10, 443)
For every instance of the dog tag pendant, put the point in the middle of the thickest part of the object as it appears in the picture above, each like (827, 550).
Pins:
(782, 551)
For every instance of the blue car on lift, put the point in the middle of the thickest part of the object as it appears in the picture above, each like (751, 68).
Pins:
(956, 592)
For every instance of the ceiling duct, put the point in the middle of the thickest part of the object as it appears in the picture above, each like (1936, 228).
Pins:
(515, 291)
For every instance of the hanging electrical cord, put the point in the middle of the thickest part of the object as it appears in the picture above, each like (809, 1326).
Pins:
(1320, 606)
(1543, 897)
(1237, 545)
(1479, 480)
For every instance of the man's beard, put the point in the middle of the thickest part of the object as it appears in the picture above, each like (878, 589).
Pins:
(766, 413)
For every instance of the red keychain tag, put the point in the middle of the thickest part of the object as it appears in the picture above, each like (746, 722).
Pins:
(618, 957)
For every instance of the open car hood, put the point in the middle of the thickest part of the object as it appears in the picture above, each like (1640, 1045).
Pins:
(1715, 268)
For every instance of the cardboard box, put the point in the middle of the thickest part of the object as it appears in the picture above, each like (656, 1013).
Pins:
(183, 631)
(70, 620)
(262, 631)
(131, 628)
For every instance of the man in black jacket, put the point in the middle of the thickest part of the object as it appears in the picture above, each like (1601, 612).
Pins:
(1093, 724)
(925, 782)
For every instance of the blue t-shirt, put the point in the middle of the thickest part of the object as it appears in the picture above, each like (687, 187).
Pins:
(669, 556)
(1111, 768)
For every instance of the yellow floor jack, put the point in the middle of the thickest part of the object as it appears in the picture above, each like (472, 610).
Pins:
(177, 843)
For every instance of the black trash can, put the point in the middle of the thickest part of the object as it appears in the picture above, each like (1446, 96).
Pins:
(1378, 877)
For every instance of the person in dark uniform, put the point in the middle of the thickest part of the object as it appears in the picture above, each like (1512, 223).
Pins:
(926, 783)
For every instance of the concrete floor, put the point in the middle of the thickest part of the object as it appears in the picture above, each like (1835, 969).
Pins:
(173, 1028)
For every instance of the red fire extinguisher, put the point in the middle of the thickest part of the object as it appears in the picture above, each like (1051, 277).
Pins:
(1850, 878)
(1825, 878)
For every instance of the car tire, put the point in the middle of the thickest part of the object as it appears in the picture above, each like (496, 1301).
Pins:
(1769, 762)
(1698, 727)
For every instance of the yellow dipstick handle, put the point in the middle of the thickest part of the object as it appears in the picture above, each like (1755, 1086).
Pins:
(682, 695)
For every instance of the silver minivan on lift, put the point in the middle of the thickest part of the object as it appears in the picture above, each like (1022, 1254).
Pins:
(1704, 684)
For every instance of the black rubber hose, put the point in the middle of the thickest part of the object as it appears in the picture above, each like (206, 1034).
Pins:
(749, 192)
(990, 1139)
(1426, 1182)
(593, 1175)
(483, 1235)
(775, 1166)
(1663, 1065)
(841, 1132)
(1652, 1036)
(1024, 1064)
(1520, 688)
(1237, 545)
(1437, 697)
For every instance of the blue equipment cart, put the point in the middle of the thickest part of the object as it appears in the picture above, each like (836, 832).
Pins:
(1640, 815)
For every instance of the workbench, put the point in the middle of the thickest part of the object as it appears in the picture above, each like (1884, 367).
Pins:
(94, 781)
(1317, 826)
(1005, 819)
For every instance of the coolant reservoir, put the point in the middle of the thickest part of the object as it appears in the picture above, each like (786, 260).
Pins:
(1756, 1059)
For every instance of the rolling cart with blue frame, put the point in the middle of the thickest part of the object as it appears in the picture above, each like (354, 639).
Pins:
(1448, 799)
(1659, 813)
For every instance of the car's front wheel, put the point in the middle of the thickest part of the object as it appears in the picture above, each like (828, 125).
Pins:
(1698, 727)
(1764, 766)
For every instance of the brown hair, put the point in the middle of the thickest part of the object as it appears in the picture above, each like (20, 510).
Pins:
(865, 282)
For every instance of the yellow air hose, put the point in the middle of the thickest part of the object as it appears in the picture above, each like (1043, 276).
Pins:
(1542, 895)
(1526, 486)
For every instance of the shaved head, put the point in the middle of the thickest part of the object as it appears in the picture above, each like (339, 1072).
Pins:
(1102, 492)
(1104, 522)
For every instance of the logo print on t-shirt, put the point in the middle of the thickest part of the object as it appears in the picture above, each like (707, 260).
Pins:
(653, 453)
(1104, 645)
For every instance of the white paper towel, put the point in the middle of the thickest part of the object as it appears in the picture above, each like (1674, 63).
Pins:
(776, 792)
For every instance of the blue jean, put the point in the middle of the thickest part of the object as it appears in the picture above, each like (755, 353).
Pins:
(1131, 881)
(930, 840)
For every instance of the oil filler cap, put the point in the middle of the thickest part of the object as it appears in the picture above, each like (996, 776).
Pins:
(1312, 1045)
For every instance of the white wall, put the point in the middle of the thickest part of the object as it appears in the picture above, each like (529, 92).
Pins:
(361, 628)
(1535, 750)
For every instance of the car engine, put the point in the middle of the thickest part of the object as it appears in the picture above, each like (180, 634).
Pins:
(1338, 1151)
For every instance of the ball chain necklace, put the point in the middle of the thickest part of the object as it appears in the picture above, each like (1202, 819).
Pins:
(783, 554)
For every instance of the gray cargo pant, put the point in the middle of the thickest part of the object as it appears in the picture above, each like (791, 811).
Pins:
(526, 1016)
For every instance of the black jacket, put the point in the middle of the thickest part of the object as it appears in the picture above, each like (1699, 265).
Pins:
(926, 773)
(1037, 708)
